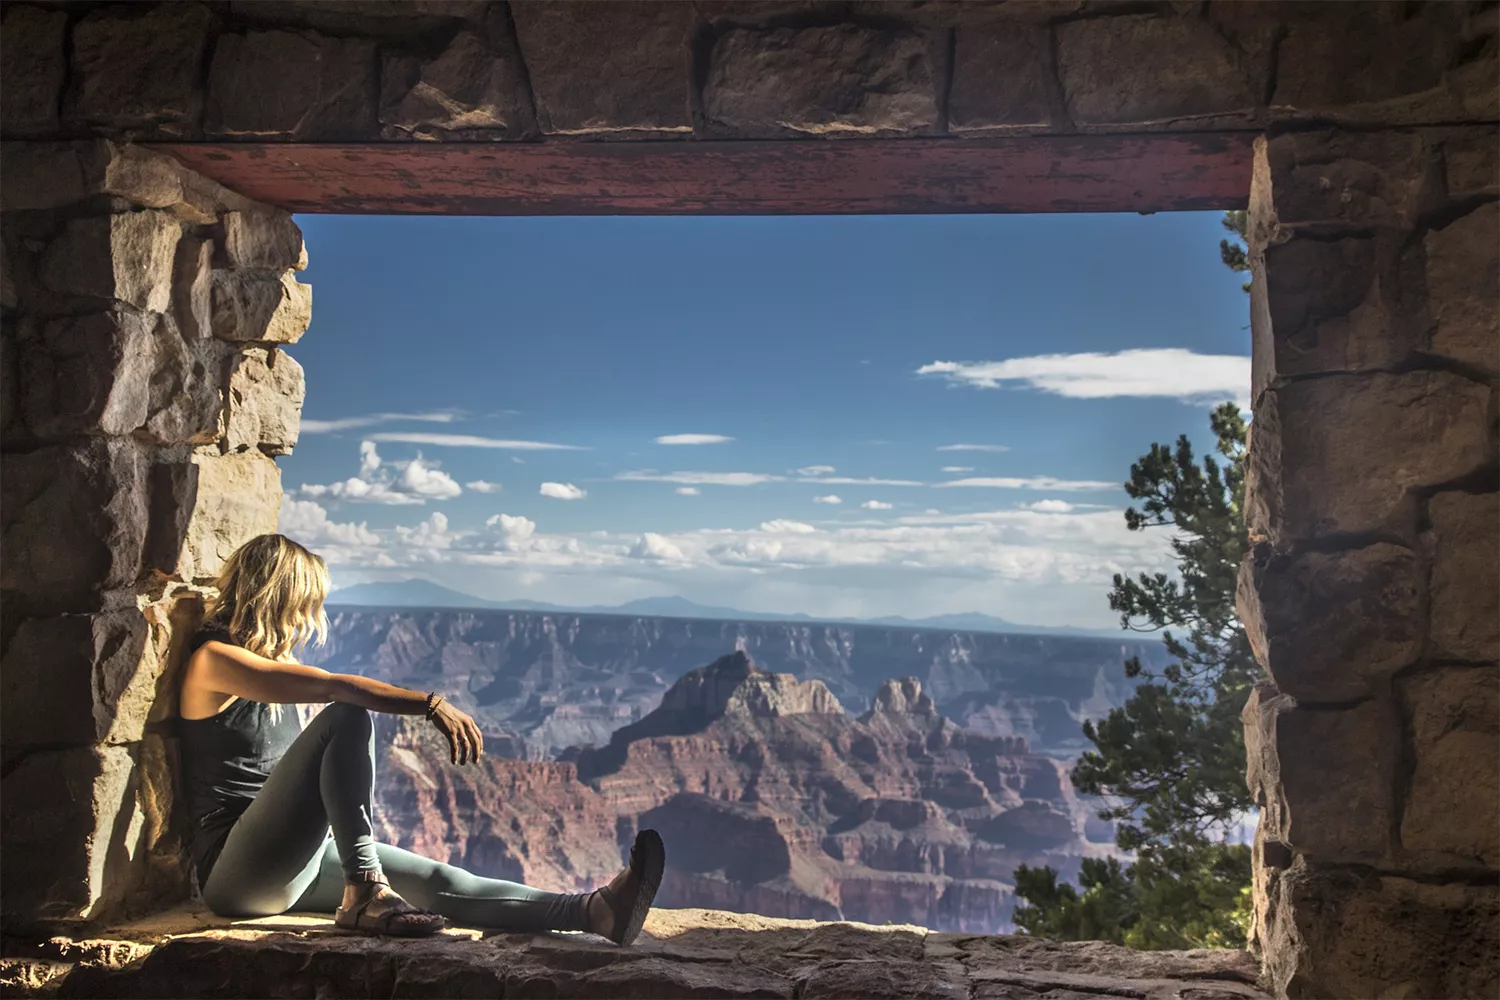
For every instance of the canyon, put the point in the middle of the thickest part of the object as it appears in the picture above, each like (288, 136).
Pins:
(539, 683)
(772, 799)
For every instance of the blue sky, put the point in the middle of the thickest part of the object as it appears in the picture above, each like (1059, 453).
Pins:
(491, 405)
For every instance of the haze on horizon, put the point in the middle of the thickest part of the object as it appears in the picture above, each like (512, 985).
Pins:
(845, 417)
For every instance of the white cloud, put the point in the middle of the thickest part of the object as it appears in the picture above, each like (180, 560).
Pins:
(480, 486)
(512, 531)
(654, 546)
(875, 505)
(994, 448)
(783, 526)
(370, 420)
(1032, 483)
(423, 479)
(562, 491)
(869, 481)
(693, 439)
(307, 522)
(1171, 372)
(369, 458)
(816, 470)
(359, 490)
(429, 534)
(1034, 560)
(688, 491)
(518, 459)
(472, 441)
(1050, 506)
(699, 478)
(832, 498)
(958, 468)
(391, 483)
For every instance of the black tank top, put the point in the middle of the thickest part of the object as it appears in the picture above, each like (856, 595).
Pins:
(226, 758)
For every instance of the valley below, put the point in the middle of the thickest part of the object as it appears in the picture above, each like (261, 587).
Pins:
(829, 771)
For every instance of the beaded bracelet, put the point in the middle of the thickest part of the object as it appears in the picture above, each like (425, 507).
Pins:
(433, 701)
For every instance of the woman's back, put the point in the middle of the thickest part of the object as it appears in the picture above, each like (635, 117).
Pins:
(226, 758)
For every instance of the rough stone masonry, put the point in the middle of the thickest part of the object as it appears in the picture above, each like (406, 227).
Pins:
(146, 388)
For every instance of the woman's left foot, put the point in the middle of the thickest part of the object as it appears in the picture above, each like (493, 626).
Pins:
(373, 907)
(618, 910)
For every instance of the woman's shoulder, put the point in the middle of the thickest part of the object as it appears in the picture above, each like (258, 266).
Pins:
(210, 630)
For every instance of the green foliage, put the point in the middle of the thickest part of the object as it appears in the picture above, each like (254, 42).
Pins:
(1173, 757)
(1234, 254)
(1198, 898)
(1171, 761)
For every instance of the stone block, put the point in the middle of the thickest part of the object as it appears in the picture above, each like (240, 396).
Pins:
(470, 86)
(88, 374)
(299, 86)
(1455, 780)
(192, 288)
(1136, 69)
(1000, 77)
(138, 66)
(260, 306)
(1397, 56)
(1335, 305)
(842, 79)
(1342, 453)
(388, 20)
(1461, 543)
(266, 389)
(74, 521)
(186, 402)
(32, 68)
(263, 239)
(234, 498)
(1471, 162)
(79, 679)
(1329, 626)
(84, 823)
(1463, 288)
(1337, 769)
(1335, 931)
(1330, 181)
(53, 174)
(1262, 765)
(127, 257)
(639, 60)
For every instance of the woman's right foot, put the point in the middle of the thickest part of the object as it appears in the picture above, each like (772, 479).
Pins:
(618, 910)
(373, 907)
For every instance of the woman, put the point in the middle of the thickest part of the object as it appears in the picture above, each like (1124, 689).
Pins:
(264, 792)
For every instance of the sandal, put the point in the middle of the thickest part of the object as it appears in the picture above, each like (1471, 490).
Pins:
(648, 858)
(386, 923)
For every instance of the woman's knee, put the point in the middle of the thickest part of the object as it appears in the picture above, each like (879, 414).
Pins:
(349, 717)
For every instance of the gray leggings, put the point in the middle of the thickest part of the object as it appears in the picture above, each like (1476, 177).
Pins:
(279, 855)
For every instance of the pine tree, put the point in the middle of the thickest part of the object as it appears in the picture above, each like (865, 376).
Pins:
(1171, 761)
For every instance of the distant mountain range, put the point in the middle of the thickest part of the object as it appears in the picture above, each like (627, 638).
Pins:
(426, 594)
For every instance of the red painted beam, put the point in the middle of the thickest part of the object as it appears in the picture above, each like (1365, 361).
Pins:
(1097, 173)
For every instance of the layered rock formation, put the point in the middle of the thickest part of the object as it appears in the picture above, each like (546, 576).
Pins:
(556, 680)
(681, 953)
(772, 800)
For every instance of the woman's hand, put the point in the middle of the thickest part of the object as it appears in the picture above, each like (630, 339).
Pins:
(464, 739)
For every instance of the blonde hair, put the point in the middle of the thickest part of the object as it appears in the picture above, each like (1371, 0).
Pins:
(270, 599)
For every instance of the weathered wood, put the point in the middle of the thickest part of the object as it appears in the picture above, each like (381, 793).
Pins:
(1136, 173)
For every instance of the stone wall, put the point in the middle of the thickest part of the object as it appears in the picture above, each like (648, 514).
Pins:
(470, 70)
(145, 390)
(1371, 592)
(144, 387)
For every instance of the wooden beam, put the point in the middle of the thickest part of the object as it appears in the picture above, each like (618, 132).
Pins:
(1098, 173)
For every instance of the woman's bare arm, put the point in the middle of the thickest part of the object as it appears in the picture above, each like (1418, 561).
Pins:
(232, 670)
